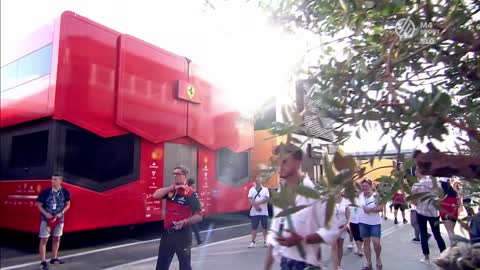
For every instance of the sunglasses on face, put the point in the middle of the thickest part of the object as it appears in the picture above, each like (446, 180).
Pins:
(177, 173)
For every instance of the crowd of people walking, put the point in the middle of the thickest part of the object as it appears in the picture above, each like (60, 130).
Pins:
(360, 221)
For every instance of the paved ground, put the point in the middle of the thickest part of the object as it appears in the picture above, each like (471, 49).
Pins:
(108, 247)
(226, 248)
(399, 253)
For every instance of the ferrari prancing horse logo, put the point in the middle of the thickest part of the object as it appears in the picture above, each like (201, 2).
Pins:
(190, 91)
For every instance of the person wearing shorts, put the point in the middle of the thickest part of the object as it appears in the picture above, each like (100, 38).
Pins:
(449, 207)
(52, 202)
(258, 197)
(399, 203)
(370, 223)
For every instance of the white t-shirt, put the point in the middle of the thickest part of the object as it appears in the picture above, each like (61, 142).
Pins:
(252, 193)
(306, 221)
(354, 212)
(340, 210)
(368, 218)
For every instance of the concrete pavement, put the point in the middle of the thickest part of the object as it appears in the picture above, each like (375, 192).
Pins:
(110, 247)
(399, 253)
(225, 249)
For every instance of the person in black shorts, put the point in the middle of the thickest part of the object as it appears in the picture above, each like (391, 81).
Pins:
(399, 202)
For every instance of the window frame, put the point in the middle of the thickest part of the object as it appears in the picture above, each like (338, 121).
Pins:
(39, 65)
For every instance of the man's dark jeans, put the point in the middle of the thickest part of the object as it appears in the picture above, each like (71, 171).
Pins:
(175, 242)
(435, 226)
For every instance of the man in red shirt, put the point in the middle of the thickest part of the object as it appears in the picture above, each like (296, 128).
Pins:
(399, 202)
(182, 210)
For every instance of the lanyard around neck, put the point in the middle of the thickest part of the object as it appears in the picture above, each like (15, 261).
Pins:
(54, 196)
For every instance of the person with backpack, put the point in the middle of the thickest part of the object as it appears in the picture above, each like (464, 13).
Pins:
(258, 197)
(399, 202)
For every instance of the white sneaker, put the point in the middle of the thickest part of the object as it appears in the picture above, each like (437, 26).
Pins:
(425, 261)
(252, 244)
(265, 244)
(350, 246)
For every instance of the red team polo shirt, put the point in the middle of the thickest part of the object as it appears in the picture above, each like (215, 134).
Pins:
(181, 205)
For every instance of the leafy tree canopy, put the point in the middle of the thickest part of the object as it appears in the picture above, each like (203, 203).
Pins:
(408, 65)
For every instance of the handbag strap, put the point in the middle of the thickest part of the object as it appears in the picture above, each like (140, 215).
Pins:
(258, 193)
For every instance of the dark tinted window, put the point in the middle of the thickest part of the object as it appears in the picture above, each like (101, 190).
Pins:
(27, 68)
(98, 159)
(29, 150)
(26, 150)
(233, 168)
(36, 149)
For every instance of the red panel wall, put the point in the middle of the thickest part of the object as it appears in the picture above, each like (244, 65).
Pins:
(151, 176)
(216, 197)
(89, 209)
(31, 100)
(147, 102)
(201, 117)
(19, 197)
(26, 102)
(86, 75)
